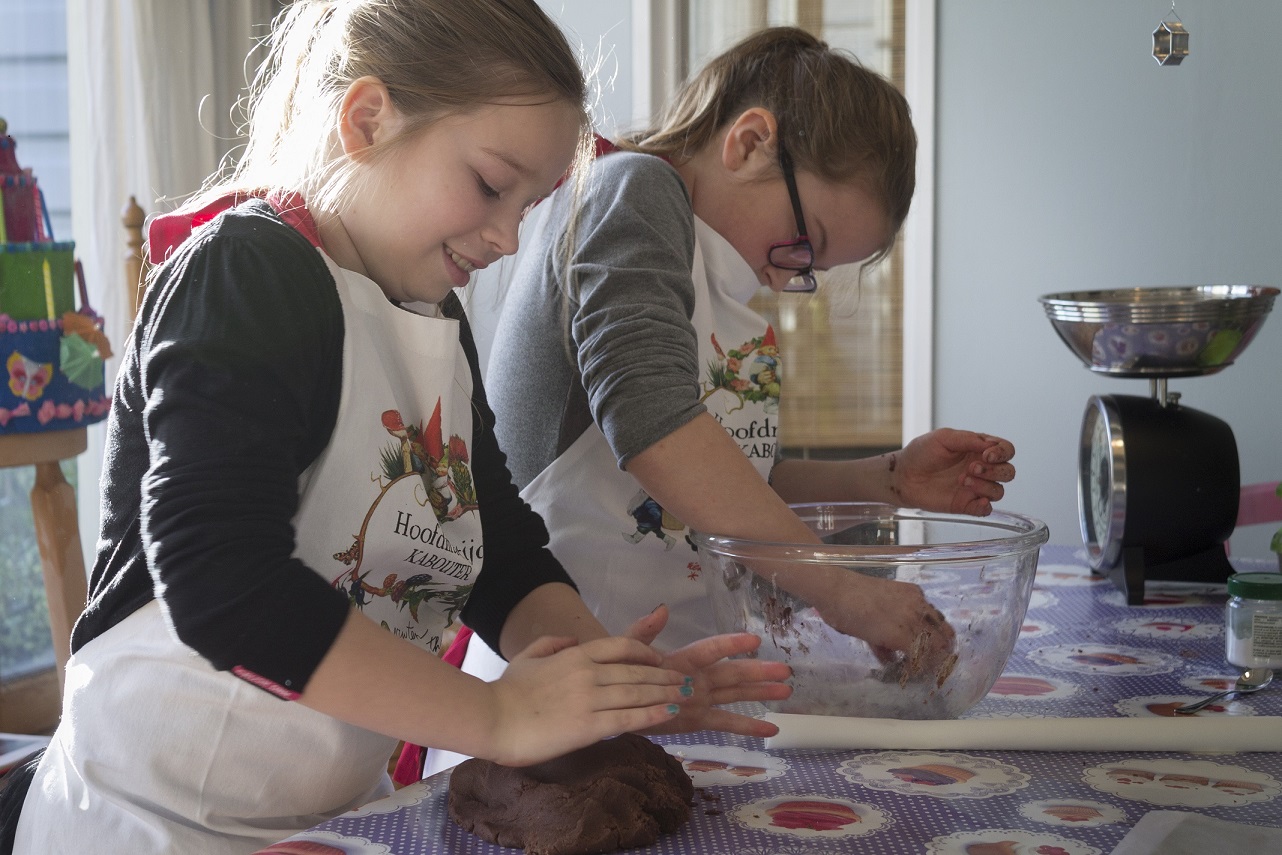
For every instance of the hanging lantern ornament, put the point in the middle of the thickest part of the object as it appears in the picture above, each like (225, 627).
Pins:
(1170, 40)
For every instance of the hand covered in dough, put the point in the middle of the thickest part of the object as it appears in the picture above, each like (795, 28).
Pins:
(954, 471)
(895, 619)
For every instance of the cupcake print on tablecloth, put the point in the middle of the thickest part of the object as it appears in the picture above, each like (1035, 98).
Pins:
(726, 765)
(1066, 575)
(414, 794)
(1030, 687)
(1075, 813)
(325, 843)
(1040, 600)
(1036, 628)
(811, 816)
(945, 775)
(1104, 659)
(1170, 595)
(1007, 841)
(789, 847)
(1182, 783)
(1209, 683)
(1167, 627)
(1164, 706)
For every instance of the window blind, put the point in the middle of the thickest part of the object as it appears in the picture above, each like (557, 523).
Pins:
(842, 345)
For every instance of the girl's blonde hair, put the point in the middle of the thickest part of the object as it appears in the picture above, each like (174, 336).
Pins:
(436, 58)
(837, 119)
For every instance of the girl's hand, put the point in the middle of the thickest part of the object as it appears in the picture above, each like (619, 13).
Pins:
(954, 471)
(895, 619)
(558, 695)
(718, 679)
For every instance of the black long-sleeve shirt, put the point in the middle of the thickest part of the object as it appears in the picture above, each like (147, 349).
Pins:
(228, 390)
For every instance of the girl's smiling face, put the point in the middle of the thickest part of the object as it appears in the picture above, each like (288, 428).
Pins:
(451, 199)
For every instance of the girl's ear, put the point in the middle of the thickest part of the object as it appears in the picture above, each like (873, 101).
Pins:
(750, 147)
(366, 116)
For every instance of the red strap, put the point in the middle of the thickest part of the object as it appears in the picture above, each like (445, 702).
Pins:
(458, 648)
(603, 146)
(600, 147)
(167, 232)
(293, 212)
(409, 767)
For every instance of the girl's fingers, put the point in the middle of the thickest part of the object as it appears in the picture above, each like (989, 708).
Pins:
(743, 725)
(612, 674)
(1000, 453)
(646, 629)
(749, 692)
(719, 719)
(620, 649)
(982, 489)
(614, 722)
(998, 472)
(739, 671)
(706, 652)
(632, 696)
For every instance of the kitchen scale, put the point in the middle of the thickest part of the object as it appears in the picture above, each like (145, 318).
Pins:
(1158, 481)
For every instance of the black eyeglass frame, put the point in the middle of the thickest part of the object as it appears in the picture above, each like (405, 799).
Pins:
(804, 282)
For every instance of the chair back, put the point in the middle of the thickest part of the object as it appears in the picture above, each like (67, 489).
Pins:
(132, 216)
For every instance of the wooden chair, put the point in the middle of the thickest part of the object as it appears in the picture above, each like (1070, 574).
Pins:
(53, 510)
(133, 217)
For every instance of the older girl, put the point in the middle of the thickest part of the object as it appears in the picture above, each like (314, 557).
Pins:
(637, 394)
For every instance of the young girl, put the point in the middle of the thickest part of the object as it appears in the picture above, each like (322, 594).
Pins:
(303, 489)
(634, 388)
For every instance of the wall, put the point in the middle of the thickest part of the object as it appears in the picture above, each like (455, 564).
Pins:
(33, 98)
(1069, 159)
(601, 32)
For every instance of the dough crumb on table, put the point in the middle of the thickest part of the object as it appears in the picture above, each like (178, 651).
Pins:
(616, 794)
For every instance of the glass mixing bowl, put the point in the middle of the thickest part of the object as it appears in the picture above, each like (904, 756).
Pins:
(978, 571)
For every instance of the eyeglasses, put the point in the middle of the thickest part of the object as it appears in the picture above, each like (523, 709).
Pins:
(796, 254)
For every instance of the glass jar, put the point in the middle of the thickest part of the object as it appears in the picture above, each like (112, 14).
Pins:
(1253, 618)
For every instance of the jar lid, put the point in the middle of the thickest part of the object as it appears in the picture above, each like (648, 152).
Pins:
(1256, 586)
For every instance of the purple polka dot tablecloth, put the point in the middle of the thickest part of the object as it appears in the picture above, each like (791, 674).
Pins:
(1083, 652)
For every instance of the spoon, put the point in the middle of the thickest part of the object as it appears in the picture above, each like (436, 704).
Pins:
(1252, 680)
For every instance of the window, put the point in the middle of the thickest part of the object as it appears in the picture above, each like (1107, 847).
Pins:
(33, 101)
(844, 343)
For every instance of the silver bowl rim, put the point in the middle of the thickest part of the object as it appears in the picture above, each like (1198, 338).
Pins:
(1161, 304)
(1026, 534)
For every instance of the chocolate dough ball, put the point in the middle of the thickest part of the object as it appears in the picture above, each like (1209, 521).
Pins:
(616, 794)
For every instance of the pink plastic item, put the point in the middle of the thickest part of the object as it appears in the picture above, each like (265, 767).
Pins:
(1258, 503)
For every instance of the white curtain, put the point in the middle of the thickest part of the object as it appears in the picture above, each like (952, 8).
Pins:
(151, 87)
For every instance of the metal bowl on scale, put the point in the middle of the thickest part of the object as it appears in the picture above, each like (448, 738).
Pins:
(1184, 331)
(1158, 481)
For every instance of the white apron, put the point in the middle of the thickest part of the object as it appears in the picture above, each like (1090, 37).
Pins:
(627, 554)
(159, 753)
